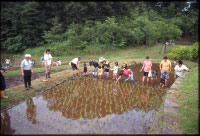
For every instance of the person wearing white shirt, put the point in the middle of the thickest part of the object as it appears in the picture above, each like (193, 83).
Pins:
(75, 64)
(48, 62)
(26, 69)
(179, 68)
(115, 71)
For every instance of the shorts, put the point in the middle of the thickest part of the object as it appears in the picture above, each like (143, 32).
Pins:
(146, 74)
(177, 76)
(73, 66)
(153, 77)
(125, 77)
(96, 69)
(167, 76)
(114, 74)
(48, 67)
(85, 69)
(162, 81)
(106, 72)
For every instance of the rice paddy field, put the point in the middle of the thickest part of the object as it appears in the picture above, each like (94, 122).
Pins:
(89, 105)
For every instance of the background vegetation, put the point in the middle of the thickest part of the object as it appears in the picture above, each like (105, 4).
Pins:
(93, 27)
(185, 52)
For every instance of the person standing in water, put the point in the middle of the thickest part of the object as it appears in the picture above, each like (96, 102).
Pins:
(26, 69)
(147, 67)
(165, 66)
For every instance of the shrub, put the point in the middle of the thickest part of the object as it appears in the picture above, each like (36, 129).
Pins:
(185, 53)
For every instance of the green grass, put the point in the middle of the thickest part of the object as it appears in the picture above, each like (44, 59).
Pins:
(129, 54)
(16, 97)
(36, 70)
(189, 97)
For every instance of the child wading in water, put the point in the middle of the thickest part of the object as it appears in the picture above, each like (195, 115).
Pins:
(100, 72)
(107, 71)
(163, 79)
(154, 75)
(115, 71)
(85, 68)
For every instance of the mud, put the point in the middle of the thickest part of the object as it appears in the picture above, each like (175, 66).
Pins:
(88, 106)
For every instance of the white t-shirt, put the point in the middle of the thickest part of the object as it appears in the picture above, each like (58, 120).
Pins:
(7, 61)
(75, 61)
(179, 70)
(115, 70)
(48, 57)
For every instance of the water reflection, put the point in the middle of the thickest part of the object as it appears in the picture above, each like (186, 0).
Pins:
(6, 124)
(31, 111)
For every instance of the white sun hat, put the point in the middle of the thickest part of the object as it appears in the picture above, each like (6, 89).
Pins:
(28, 55)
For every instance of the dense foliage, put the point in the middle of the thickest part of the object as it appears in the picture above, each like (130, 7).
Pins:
(185, 53)
(94, 26)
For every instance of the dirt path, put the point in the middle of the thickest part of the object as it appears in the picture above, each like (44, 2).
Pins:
(12, 81)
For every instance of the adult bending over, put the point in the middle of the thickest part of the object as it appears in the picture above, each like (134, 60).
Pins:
(128, 74)
(75, 65)
(179, 68)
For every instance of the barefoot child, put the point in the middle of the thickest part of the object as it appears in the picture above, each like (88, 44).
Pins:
(100, 72)
(115, 70)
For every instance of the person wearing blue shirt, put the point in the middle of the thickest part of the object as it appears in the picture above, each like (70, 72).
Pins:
(163, 79)
(26, 69)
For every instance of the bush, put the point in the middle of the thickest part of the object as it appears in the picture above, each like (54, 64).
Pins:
(185, 53)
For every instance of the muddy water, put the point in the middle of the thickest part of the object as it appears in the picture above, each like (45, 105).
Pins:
(87, 106)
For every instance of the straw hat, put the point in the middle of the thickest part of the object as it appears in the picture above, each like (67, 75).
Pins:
(125, 62)
(101, 59)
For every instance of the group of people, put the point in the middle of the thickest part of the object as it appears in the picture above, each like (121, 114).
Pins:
(151, 75)
(101, 68)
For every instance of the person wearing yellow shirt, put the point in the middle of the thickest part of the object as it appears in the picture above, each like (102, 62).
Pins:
(165, 66)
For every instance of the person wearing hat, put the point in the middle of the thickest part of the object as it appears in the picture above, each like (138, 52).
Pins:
(147, 67)
(165, 66)
(48, 61)
(75, 64)
(2, 82)
(26, 69)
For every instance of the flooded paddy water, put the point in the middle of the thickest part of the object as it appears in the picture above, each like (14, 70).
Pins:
(89, 105)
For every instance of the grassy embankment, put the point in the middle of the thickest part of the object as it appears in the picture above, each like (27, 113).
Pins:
(188, 115)
(17, 94)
